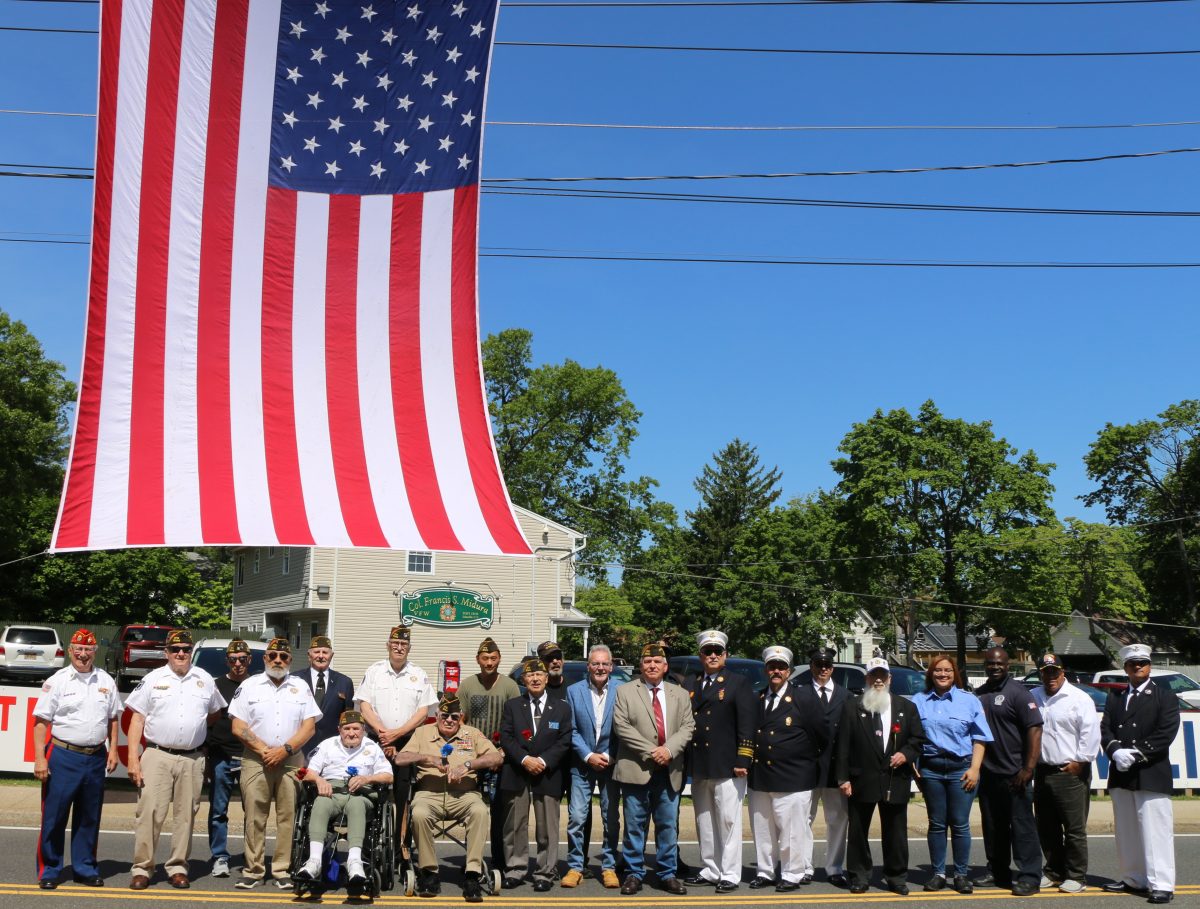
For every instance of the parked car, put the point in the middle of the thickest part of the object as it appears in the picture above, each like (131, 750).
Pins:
(1179, 683)
(136, 650)
(1106, 687)
(850, 676)
(1098, 695)
(30, 652)
(573, 671)
(686, 667)
(209, 655)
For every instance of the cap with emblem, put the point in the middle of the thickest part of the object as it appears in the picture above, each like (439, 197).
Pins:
(532, 664)
(320, 640)
(351, 716)
(878, 664)
(822, 655)
(711, 637)
(237, 645)
(180, 636)
(449, 704)
(487, 645)
(549, 650)
(654, 650)
(777, 653)
(84, 638)
(280, 645)
(400, 633)
(1135, 652)
(1049, 661)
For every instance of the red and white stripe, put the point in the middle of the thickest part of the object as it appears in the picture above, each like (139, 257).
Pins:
(261, 366)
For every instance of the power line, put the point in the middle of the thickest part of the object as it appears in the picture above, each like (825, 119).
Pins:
(49, 31)
(635, 196)
(46, 166)
(491, 181)
(15, 173)
(46, 113)
(840, 52)
(825, 128)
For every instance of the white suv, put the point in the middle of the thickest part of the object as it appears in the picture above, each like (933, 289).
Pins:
(31, 652)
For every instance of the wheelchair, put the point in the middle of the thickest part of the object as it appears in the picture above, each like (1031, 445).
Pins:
(378, 851)
(408, 862)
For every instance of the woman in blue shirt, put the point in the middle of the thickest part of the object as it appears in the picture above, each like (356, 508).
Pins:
(956, 731)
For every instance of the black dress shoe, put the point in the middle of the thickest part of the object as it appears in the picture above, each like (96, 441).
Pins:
(898, 889)
(963, 884)
(698, 881)
(937, 882)
(760, 882)
(512, 883)
(89, 880)
(858, 888)
(632, 885)
(1019, 889)
(1122, 887)
(838, 880)
(47, 883)
(787, 886)
(674, 885)
(726, 886)
(541, 885)
(1160, 896)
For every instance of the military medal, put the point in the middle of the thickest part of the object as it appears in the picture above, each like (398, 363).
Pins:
(787, 721)
(721, 695)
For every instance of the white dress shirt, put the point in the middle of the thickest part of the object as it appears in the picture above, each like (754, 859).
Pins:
(1071, 727)
(331, 760)
(176, 707)
(273, 712)
(79, 705)
(396, 695)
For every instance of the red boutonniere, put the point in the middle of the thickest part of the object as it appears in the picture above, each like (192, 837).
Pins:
(895, 728)
(301, 773)
(527, 734)
(495, 738)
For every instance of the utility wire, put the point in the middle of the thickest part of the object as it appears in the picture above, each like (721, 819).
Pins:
(821, 128)
(635, 196)
(853, 263)
(46, 113)
(492, 181)
(841, 52)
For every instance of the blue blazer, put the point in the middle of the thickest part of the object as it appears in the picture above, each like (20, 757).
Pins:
(583, 728)
(339, 696)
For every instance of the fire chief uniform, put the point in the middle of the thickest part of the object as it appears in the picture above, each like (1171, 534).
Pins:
(725, 710)
(81, 708)
(274, 713)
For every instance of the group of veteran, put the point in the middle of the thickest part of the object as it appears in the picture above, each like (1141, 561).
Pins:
(493, 754)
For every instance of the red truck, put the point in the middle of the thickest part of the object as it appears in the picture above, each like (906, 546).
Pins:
(137, 650)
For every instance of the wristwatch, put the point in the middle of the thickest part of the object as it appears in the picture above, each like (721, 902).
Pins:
(467, 764)
(287, 746)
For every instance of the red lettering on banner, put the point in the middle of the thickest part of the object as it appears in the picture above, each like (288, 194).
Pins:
(30, 703)
(6, 701)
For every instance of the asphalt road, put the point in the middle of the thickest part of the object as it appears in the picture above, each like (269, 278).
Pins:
(17, 880)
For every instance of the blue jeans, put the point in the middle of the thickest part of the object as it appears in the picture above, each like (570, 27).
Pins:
(658, 800)
(584, 781)
(223, 781)
(948, 806)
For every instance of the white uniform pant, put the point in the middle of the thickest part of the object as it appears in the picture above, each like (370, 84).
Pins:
(782, 832)
(837, 827)
(718, 806)
(1145, 823)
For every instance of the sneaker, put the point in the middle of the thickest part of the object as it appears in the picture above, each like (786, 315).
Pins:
(1069, 886)
(355, 870)
(1047, 882)
(220, 866)
(310, 870)
(247, 883)
(282, 883)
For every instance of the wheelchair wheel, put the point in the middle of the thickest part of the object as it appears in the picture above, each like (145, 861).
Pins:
(497, 882)
(410, 882)
(376, 883)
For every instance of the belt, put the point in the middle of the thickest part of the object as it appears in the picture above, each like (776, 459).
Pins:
(81, 749)
(1058, 768)
(182, 752)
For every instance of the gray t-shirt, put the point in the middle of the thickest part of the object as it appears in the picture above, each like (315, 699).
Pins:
(483, 706)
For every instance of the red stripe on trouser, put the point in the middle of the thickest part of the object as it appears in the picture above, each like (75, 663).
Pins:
(146, 494)
(214, 440)
(75, 522)
(341, 374)
(408, 387)
(468, 384)
(41, 866)
(278, 392)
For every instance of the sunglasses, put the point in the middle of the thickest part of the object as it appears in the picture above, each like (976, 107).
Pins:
(448, 716)
(238, 659)
(1140, 664)
(281, 657)
(711, 651)
(179, 649)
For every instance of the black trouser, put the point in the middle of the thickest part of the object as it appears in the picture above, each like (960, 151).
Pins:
(893, 824)
(1009, 830)
(1062, 801)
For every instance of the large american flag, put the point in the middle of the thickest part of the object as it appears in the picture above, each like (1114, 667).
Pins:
(282, 342)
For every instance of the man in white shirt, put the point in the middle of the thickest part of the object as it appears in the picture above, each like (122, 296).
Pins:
(174, 704)
(274, 714)
(340, 767)
(1070, 742)
(80, 702)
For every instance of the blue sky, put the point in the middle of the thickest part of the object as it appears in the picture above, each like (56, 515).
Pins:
(784, 357)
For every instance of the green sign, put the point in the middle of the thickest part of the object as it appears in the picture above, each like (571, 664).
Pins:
(446, 607)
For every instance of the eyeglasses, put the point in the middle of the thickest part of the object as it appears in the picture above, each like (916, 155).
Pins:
(281, 657)
(179, 649)
(600, 665)
(712, 651)
(398, 643)
(238, 659)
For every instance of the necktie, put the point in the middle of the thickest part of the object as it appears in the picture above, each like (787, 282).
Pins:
(771, 701)
(659, 720)
(319, 691)
(707, 683)
(879, 729)
(537, 713)
(824, 696)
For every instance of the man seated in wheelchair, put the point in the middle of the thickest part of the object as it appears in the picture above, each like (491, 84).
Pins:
(447, 757)
(343, 769)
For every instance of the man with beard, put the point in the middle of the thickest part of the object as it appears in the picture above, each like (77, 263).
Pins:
(788, 745)
(76, 716)
(550, 653)
(721, 753)
(1009, 762)
(880, 739)
(224, 757)
(174, 704)
(273, 715)
(332, 691)
(827, 794)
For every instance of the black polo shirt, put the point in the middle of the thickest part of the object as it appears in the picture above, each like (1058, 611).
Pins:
(1010, 710)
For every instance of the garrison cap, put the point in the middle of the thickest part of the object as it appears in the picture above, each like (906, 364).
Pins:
(237, 645)
(449, 704)
(180, 636)
(351, 716)
(280, 645)
(400, 633)
(487, 645)
(654, 650)
(84, 637)
(532, 664)
(320, 640)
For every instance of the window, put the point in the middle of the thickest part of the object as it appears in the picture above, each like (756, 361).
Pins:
(241, 570)
(287, 559)
(270, 552)
(257, 559)
(420, 562)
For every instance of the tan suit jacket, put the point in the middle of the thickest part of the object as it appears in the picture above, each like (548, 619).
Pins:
(637, 735)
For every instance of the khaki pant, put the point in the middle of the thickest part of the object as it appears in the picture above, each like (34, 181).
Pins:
(326, 807)
(467, 808)
(169, 781)
(260, 787)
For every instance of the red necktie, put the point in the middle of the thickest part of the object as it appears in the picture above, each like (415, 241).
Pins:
(659, 720)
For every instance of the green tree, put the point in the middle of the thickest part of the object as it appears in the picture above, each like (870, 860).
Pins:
(926, 499)
(734, 490)
(35, 398)
(563, 433)
(614, 624)
(1148, 473)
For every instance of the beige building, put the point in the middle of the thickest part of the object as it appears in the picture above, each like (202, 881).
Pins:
(450, 600)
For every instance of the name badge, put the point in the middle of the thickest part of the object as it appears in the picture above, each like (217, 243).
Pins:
(554, 724)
